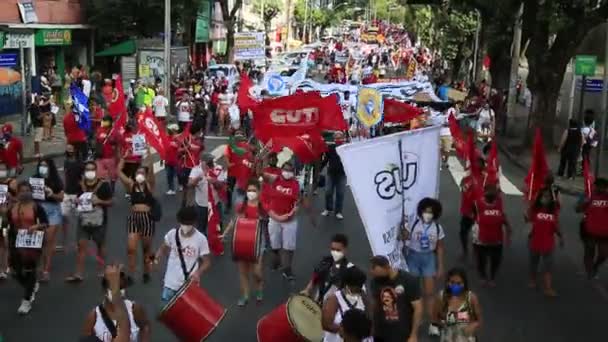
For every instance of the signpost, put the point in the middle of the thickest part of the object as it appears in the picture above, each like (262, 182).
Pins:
(584, 65)
(249, 45)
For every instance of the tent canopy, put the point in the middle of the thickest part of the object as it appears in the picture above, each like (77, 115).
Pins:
(127, 47)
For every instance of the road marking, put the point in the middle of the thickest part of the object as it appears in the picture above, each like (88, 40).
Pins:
(457, 171)
(212, 137)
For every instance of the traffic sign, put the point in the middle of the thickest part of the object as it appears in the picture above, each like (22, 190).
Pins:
(584, 65)
(8, 59)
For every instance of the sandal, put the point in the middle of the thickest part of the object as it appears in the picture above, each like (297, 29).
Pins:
(242, 301)
(259, 296)
(74, 279)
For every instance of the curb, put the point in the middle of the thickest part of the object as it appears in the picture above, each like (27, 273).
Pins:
(566, 189)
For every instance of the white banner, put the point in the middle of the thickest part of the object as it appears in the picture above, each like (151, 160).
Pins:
(249, 45)
(379, 188)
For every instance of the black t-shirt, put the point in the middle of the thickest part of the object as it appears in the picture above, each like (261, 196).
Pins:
(74, 169)
(394, 311)
(330, 273)
(35, 115)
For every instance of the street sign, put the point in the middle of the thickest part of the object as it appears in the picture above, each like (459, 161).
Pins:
(8, 59)
(591, 85)
(584, 65)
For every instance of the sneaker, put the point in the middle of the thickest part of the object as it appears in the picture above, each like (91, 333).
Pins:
(259, 296)
(3, 275)
(325, 213)
(288, 275)
(339, 216)
(242, 301)
(433, 330)
(25, 307)
(170, 192)
(180, 188)
(127, 196)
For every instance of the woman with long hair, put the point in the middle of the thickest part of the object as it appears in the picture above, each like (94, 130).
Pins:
(53, 197)
(140, 223)
(251, 208)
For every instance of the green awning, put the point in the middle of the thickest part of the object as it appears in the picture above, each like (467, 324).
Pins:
(125, 48)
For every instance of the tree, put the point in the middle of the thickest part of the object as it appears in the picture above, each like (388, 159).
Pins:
(316, 17)
(229, 16)
(271, 9)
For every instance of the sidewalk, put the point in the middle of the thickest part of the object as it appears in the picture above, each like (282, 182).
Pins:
(510, 147)
(52, 148)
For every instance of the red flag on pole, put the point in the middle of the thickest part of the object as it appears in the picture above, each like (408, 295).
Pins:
(588, 178)
(492, 167)
(538, 168)
(213, 226)
(397, 111)
(155, 135)
(457, 138)
(118, 108)
(307, 147)
(243, 100)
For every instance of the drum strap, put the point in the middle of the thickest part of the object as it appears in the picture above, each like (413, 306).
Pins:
(107, 321)
(181, 256)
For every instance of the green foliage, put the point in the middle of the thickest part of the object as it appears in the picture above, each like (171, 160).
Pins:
(272, 8)
(318, 17)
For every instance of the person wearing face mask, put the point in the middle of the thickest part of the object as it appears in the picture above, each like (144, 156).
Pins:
(103, 322)
(185, 110)
(140, 222)
(355, 326)
(336, 178)
(457, 309)
(191, 146)
(351, 296)
(106, 140)
(5, 203)
(396, 302)
(488, 233)
(594, 231)
(94, 198)
(26, 217)
(131, 161)
(283, 223)
(328, 275)
(469, 190)
(53, 197)
(199, 182)
(251, 208)
(72, 170)
(424, 240)
(234, 155)
(188, 252)
(11, 151)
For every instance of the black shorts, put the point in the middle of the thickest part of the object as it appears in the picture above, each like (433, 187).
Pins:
(183, 176)
(140, 222)
(95, 234)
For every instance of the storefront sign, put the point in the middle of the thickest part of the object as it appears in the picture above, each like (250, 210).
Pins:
(8, 59)
(27, 11)
(18, 40)
(203, 19)
(56, 37)
(249, 45)
(2, 38)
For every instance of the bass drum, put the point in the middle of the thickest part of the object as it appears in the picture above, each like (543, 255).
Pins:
(247, 240)
(298, 320)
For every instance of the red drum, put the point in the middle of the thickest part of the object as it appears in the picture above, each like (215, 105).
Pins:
(192, 314)
(247, 240)
(298, 320)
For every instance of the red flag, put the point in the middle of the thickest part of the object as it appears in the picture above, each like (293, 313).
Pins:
(214, 226)
(492, 167)
(155, 135)
(459, 143)
(243, 100)
(588, 178)
(397, 111)
(538, 168)
(118, 108)
(307, 147)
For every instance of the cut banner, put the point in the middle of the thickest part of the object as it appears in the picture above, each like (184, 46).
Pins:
(379, 188)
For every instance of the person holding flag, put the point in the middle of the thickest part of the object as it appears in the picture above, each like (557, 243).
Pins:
(75, 134)
(594, 229)
(106, 140)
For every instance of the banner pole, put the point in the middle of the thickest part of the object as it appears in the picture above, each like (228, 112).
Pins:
(401, 183)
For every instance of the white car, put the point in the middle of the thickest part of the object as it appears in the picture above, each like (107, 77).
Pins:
(228, 70)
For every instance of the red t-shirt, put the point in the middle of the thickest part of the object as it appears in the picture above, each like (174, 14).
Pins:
(284, 195)
(73, 133)
(266, 192)
(467, 196)
(10, 154)
(596, 215)
(127, 145)
(107, 150)
(172, 152)
(234, 159)
(490, 218)
(244, 171)
(250, 211)
(544, 227)
(192, 157)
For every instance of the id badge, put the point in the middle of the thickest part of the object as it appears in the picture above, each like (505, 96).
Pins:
(425, 242)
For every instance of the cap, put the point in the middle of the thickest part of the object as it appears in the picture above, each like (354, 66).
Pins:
(7, 128)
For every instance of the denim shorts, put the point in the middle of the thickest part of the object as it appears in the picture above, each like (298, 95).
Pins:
(421, 264)
(166, 296)
(53, 212)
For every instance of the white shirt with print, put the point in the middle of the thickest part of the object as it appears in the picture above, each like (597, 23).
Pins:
(417, 229)
(160, 104)
(201, 190)
(193, 248)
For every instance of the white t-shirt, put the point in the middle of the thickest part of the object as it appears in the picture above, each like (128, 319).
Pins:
(486, 115)
(226, 99)
(201, 194)
(420, 231)
(184, 108)
(160, 104)
(103, 333)
(193, 247)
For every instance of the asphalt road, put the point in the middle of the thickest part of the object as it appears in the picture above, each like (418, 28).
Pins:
(511, 311)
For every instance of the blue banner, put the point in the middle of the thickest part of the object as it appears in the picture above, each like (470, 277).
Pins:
(81, 107)
(8, 59)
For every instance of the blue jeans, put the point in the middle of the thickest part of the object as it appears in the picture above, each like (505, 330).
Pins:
(171, 174)
(166, 296)
(421, 264)
(335, 183)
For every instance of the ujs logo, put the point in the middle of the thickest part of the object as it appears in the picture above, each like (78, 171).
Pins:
(392, 181)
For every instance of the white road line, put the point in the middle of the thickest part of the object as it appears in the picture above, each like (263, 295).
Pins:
(457, 171)
(212, 137)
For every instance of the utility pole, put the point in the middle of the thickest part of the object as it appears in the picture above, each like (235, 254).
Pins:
(476, 50)
(602, 131)
(305, 20)
(24, 96)
(167, 52)
(515, 62)
(287, 24)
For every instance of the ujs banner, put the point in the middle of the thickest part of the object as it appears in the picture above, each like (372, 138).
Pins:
(384, 177)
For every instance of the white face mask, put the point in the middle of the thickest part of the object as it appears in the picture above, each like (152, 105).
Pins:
(352, 298)
(427, 217)
(123, 292)
(337, 255)
(287, 174)
(3, 173)
(43, 170)
(252, 195)
(90, 175)
(139, 178)
(186, 229)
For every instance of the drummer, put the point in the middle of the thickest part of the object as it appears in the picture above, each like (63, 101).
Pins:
(327, 275)
(283, 223)
(190, 260)
(251, 208)
(355, 326)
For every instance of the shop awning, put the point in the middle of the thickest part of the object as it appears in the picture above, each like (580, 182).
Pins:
(125, 48)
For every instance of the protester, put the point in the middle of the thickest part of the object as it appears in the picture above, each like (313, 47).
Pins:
(328, 275)
(107, 139)
(350, 296)
(140, 222)
(94, 199)
(25, 217)
(355, 326)
(36, 121)
(468, 192)
(570, 148)
(8, 199)
(199, 181)
(51, 203)
(73, 169)
(188, 252)
(425, 250)
(336, 179)
(172, 159)
(396, 303)
(132, 158)
(234, 155)
(11, 151)
(160, 105)
(185, 110)
(594, 230)
(74, 134)
(457, 309)
(253, 209)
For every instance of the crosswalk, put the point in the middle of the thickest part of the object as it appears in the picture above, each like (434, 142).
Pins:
(457, 171)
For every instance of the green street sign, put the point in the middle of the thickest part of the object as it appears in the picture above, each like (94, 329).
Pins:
(584, 65)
